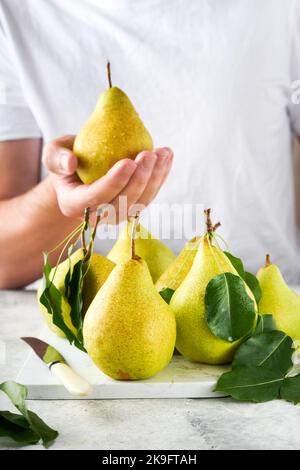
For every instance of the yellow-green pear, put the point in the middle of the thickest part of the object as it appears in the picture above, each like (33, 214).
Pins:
(279, 300)
(194, 337)
(157, 255)
(114, 131)
(99, 269)
(129, 331)
(179, 268)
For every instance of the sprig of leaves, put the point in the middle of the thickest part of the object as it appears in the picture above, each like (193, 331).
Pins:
(27, 427)
(51, 298)
(260, 367)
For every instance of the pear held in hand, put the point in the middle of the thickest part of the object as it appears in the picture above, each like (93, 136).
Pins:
(157, 255)
(98, 271)
(129, 331)
(179, 268)
(194, 337)
(279, 300)
(114, 131)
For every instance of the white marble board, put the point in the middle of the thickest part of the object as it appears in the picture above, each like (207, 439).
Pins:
(180, 379)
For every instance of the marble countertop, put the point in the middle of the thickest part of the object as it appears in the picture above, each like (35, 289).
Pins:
(142, 424)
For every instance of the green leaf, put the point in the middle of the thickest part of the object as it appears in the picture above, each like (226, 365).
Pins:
(229, 311)
(14, 426)
(75, 297)
(69, 273)
(253, 284)
(290, 389)
(256, 384)
(9, 427)
(167, 294)
(249, 278)
(237, 263)
(265, 323)
(272, 350)
(14, 418)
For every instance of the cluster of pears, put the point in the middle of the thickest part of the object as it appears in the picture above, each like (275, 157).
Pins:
(129, 330)
(279, 300)
(114, 131)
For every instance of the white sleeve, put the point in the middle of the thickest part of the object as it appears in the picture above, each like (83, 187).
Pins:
(294, 102)
(16, 118)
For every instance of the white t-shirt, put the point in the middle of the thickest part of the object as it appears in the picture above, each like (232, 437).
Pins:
(212, 79)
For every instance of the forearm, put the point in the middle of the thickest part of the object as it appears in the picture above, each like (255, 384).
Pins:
(30, 224)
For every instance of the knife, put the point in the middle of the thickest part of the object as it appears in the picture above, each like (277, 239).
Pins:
(74, 383)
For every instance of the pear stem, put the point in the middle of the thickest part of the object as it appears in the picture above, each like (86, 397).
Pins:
(84, 228)
(133, 235)
(99, 214)
(268, 261)
(108, 74)
(210, 228)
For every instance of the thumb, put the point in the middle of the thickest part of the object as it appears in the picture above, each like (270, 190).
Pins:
(58, 157)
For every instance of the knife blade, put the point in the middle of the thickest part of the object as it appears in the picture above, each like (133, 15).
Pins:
(74, 383)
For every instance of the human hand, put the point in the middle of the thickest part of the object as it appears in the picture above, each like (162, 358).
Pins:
(138, 180)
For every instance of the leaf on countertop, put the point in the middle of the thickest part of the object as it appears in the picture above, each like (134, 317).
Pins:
(256, 384)
(27, 428)
(229, 311)
(290, 389)
(265, 323)
(272, 350)
(166, 294)
(14, 428)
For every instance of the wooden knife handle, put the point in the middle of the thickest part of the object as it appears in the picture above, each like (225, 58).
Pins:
(75, 384)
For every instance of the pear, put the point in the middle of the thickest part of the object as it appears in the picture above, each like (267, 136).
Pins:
(99, 269)
(129, 331)
(157, 255)
(194, 338)
(279, 300)
(113, 131)
(179, 268)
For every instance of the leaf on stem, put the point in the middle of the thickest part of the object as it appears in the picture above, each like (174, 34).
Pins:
(253, 284)
(229, 311)
(166, 294)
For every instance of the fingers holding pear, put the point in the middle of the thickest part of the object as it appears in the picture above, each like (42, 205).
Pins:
(134, 189)
(73, 196)
(159, 174)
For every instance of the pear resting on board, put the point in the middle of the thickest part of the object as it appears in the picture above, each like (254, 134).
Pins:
(279, 300)
(179, 268)
(194, 338)
(157, 255)
(113, 132)
(129, 331)
(97, 273)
